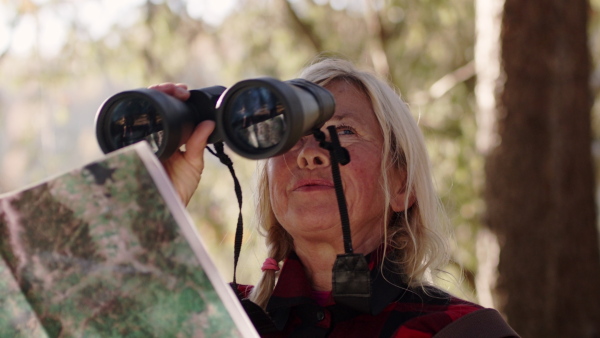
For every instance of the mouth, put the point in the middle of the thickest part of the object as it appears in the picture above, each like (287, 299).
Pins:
(312, 185)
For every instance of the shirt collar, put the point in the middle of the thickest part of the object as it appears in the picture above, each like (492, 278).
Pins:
(294, 288)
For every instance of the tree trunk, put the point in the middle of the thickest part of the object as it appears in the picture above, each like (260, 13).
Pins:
(539, 178)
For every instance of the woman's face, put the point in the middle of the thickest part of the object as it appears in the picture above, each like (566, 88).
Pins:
(301, 186)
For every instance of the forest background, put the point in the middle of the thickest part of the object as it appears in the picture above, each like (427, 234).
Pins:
(60, 59)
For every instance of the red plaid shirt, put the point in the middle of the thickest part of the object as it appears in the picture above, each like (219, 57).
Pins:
(395, 311)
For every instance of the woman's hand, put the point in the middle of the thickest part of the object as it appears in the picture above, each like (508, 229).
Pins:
(185, 168)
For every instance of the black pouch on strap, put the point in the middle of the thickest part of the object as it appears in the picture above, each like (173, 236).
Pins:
(352, 282)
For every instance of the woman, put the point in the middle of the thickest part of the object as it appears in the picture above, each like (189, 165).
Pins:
(395, 217)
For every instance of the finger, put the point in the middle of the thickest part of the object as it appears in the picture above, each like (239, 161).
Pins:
(178, 90)
(169, 86)
(197, 142)
(182, 85)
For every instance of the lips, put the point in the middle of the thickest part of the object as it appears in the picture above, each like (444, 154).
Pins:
(312, 185)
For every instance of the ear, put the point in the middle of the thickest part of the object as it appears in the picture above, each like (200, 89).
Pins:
(399, 193)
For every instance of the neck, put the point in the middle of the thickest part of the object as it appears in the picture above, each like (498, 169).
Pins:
(317, 259)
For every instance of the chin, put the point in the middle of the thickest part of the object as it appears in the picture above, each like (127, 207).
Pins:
(313, 226)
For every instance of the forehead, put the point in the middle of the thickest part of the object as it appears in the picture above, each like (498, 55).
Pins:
(351, 102)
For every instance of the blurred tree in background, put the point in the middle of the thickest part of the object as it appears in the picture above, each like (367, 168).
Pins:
(539, 190)
(60, 59)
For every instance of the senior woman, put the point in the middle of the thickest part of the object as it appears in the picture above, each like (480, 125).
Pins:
(396, 219)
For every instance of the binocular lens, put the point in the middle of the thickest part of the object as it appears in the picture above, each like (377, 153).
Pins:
(149, 115)
(257, 118)
(126, 128)
(264, 117)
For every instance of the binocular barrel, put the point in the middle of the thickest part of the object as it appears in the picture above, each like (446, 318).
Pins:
(256, 118)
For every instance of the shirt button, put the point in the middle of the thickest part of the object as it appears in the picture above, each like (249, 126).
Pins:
(320, 315)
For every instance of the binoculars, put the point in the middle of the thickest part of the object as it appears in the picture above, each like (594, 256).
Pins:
(256, 118)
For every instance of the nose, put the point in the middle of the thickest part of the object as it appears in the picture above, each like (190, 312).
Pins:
(311, 155)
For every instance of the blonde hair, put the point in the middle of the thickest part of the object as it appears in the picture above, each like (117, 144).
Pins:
(416, 237)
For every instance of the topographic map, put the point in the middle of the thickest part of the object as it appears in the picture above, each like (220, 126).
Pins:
(97, 253)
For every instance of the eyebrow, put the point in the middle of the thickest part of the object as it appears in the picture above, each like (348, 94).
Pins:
(341, 117)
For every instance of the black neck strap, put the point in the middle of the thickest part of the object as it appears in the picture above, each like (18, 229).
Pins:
(239, 230)
(351, 278)
(339, 155)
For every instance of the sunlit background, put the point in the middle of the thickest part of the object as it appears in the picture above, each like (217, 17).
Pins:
(60, 59)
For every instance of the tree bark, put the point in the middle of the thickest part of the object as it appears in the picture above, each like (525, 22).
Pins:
(539, 174)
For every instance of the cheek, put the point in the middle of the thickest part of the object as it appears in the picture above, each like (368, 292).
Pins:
(274, 170)
(366, 159)
(365, 177)
(276, 178)
(271, 177)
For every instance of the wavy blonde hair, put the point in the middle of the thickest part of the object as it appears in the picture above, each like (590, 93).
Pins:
(416, 237)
